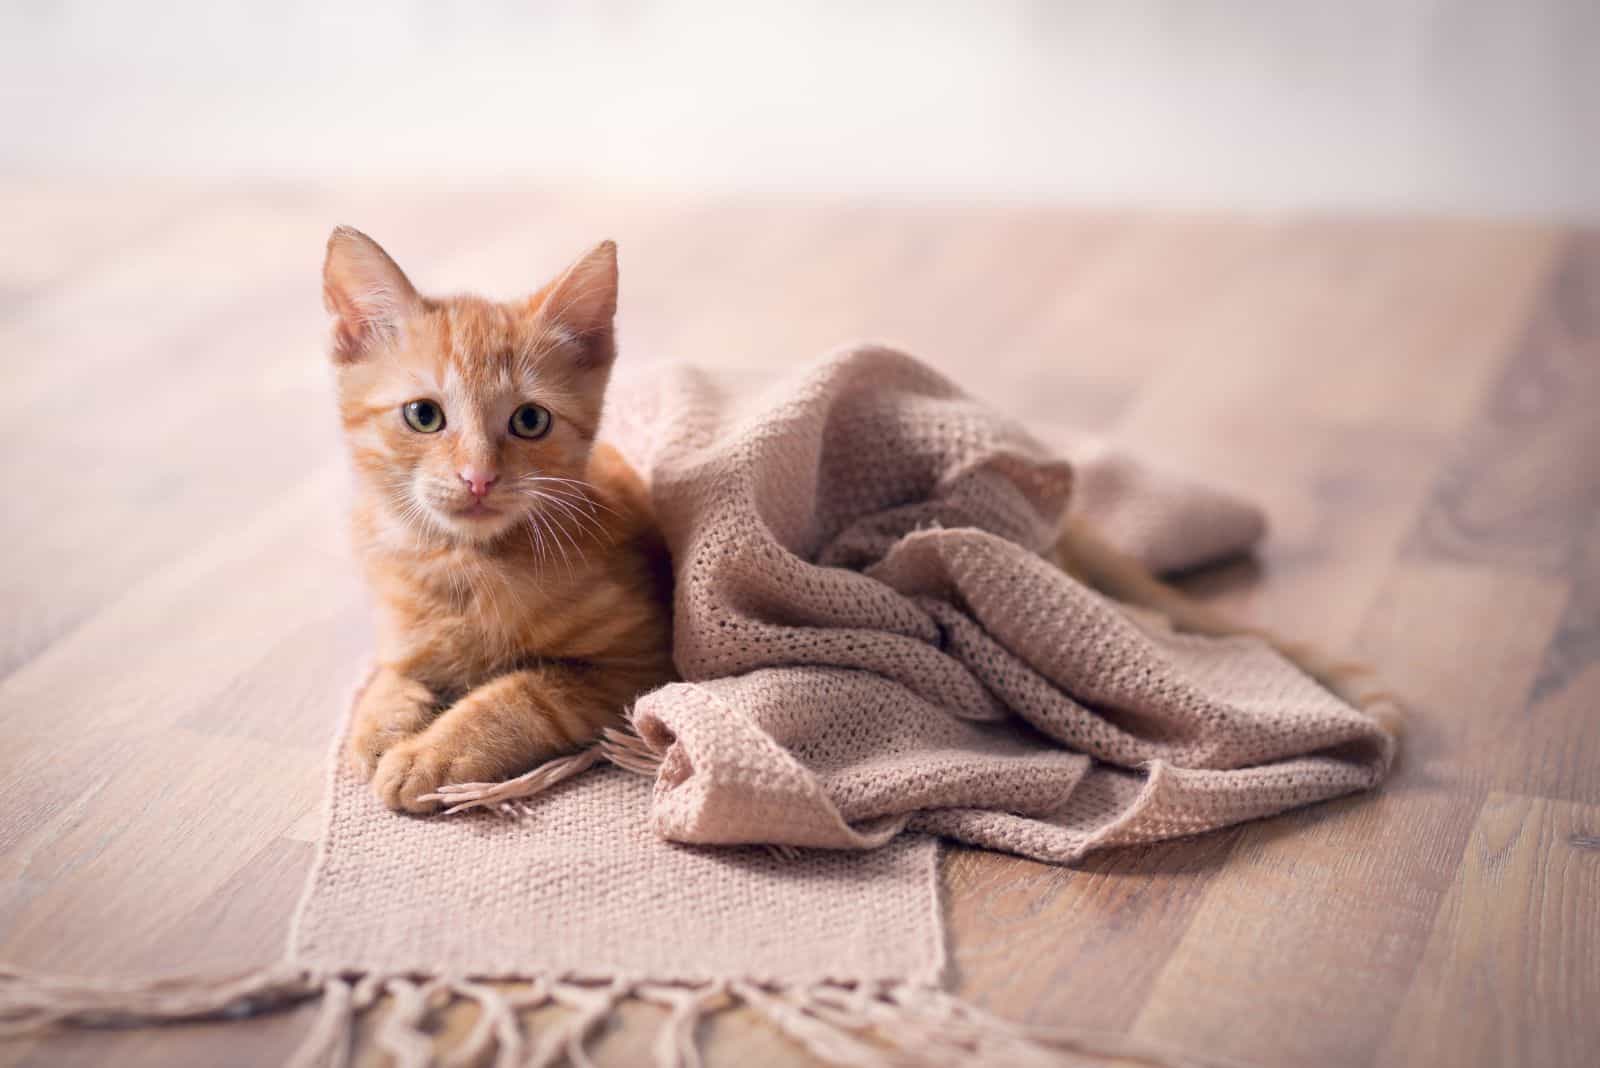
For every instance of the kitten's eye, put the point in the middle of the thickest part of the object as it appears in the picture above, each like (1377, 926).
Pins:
(424, 416)
(530, 421)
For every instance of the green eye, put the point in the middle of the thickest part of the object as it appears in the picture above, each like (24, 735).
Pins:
(530, 421)
(424, 416)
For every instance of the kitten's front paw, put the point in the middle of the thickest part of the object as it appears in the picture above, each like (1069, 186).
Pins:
(410, 771)
(368, 742)
(392, 710)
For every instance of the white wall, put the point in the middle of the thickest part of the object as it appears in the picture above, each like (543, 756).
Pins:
(1457, 106)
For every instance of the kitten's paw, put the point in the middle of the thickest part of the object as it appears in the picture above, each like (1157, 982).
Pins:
(366, 746)
(391, 710)
(410, 771)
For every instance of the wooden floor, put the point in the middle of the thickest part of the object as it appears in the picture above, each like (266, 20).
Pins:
(1417, 403)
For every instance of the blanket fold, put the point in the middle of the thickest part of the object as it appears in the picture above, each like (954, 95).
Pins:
(873, 639)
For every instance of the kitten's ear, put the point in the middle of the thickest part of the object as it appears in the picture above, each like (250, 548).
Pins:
(583, 302)
(366, 292)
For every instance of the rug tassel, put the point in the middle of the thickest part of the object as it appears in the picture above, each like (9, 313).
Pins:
(677, 1043)
(592, 1007)
(402, 1033)
(858, 1025)
(834, 1040)
(328, 1043)
(498, 1026)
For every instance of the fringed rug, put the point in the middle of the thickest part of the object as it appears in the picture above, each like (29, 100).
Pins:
(571, 900)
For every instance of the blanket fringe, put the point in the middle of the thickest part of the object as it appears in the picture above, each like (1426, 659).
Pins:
(629, 752)
(623, 748)
(880, 1025)
(509, 797)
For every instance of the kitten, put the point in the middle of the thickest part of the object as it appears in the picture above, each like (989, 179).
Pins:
(522, 588)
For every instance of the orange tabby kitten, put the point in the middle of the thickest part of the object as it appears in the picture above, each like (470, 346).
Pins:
(523, 591)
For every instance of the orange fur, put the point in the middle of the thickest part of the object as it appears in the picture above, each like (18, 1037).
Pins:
(516, 626)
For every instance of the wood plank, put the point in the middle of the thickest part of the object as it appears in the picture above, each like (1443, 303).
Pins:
(1524, 487)
(1461, 646)
(268, 1041)
(1511, 974)
(1307, 940)
(1363, 323)
(287, 570)
(1078, 947)
(1086, 347)
(115, 883)
(1339, 503)
(1292, 397)
(1521, 494)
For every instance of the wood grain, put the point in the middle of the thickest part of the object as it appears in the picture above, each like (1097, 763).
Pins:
(1514, 940)
(1305, 941)
(1412, 400)
(1080, 947)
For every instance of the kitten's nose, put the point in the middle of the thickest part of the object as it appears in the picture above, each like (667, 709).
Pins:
(478, 480)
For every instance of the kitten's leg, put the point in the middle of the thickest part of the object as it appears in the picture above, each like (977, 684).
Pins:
(501, 729)
(393, 707)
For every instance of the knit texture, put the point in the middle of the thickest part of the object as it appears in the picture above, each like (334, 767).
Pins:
(873, 640)
(578, 887)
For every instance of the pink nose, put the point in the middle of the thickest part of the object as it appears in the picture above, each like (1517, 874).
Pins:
(477, 480)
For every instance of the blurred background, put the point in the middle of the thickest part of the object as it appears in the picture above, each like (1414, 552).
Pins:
(1340, 257)
(1476, 107)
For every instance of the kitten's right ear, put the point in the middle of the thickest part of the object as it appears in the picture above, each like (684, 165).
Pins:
(366, 292)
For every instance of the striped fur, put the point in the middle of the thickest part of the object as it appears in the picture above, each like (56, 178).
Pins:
(517, 628)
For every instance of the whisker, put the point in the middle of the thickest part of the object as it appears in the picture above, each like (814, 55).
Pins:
(588, 503)
(560, 530)
(585, 520)
(571, 486)
(542, 522)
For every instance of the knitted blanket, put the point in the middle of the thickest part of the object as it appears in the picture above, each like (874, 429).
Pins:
(873, 639)
(876, 652)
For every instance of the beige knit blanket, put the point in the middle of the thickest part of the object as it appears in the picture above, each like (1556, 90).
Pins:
(873, 641)
(875, 653)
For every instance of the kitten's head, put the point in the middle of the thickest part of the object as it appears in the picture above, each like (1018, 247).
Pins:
(465, 416)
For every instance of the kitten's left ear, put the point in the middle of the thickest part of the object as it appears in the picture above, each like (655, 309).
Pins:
(583, 303)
